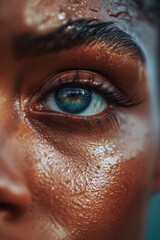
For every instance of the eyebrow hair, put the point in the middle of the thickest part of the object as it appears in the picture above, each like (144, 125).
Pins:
(73, 34)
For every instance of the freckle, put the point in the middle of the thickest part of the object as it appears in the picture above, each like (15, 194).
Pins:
(98, 167)
(67, 181)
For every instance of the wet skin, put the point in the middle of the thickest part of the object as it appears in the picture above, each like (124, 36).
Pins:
(69, 176)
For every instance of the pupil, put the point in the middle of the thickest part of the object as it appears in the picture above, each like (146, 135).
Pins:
(73, 100)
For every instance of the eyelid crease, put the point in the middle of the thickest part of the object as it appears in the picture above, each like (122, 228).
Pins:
(73, 34)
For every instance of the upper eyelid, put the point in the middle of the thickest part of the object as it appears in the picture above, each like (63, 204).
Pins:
(103, 87)
(54, 80)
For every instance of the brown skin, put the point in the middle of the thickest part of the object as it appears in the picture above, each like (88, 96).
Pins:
(61, 178)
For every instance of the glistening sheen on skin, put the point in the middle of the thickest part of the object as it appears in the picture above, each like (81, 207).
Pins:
(77, 177)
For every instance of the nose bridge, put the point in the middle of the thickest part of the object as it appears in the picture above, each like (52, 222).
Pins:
(9, 154)
(8, 118)
(14, 192)
(9, 146)
(15, 197)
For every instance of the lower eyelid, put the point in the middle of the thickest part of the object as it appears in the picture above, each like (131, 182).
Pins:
(106, 121)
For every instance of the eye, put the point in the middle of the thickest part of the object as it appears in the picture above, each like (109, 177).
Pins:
(79, 94)
(75, 100)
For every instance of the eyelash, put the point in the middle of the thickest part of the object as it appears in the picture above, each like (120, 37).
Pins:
(110, 119)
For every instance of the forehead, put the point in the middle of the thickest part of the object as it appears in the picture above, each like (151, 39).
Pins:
(45, 14)
(59, 11)
(40, 16)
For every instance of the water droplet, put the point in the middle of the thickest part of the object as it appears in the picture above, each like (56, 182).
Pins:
(61, 16)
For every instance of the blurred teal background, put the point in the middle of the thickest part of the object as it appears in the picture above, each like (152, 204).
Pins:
(153, 226)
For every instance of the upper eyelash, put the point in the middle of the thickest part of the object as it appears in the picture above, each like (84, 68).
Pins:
(121, 100)
(114, 97)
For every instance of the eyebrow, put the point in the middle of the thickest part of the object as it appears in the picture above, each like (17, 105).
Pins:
(73, 34)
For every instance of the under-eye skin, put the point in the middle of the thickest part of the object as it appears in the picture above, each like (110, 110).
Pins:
(80, 94)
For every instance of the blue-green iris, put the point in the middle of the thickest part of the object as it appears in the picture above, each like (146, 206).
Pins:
(73, 100)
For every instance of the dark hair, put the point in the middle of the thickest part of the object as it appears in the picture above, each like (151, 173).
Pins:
(151, 9)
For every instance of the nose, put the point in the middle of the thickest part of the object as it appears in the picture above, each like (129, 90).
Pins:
(15, 197)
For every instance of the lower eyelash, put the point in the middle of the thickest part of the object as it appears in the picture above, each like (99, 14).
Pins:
(114, 120)
(110, 120)
(103, 122)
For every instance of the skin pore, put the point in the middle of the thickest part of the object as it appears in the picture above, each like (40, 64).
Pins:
(70, 176)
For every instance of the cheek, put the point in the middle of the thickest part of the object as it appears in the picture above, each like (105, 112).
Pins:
(117, 183)
(91, 182)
